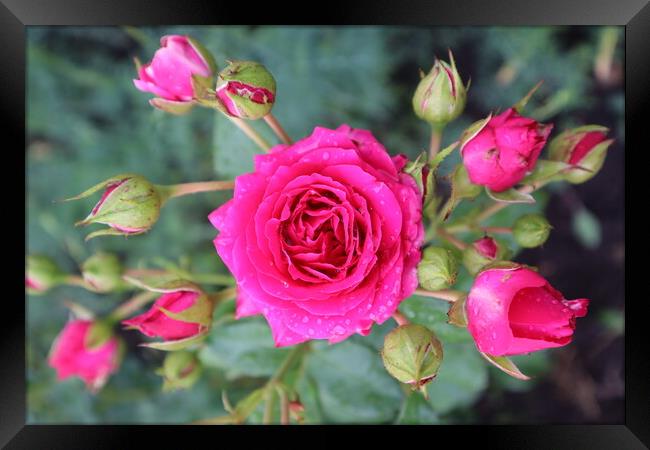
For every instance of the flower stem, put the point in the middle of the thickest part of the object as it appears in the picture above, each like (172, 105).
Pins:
(268, 406)
(460, 245)
(447, 295)
(498, 206)
(272, 122)
(250, 132)
(76, 280)
(286, 364)
(284, 407)
(201, 278)
(400, 318)
(132, 305)
(499, 230)
(436, 140)
(178, 190)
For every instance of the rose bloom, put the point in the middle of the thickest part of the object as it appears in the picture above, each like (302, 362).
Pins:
(155, 323)
(515, 310)
(169, 74)
(71, 357)
(501, 154)
(323, 237)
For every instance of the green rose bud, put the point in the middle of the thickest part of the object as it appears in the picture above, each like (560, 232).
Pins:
(412, 354)
(440, 97)
(531, 230)
(246, 89)
(585, 148)
(41, 274)
(438, 269)
(482, 252)
(180, 370)
(129, 205)
(103, 272)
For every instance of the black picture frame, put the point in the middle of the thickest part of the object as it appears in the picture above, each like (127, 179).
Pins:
(16, 15)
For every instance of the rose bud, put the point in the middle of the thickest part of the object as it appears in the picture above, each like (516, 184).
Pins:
(482, 252)
(180, 370)
(584, 147)
(41, 274)
(440, 96)
(246, 89)
(88, 350)
(169, 74)
(514, 310)
(500, 153)
(129, 205)
(103, 272)
(531, 230)
(438, 269)
(177, 315)
(412, 354)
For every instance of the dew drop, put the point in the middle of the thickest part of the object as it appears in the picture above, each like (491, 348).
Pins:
(338, 330)
(326, 156)
(494, 335)
(382, 309)
(347, 321)
(305, 319)
(319, 321)
(311, 331)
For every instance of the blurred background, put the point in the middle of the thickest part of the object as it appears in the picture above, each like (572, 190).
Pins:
(87, 122)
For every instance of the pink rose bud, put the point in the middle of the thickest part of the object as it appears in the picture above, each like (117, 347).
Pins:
(75, 354)
(482, 252)
(130, 204)
(246, 89)
(514, 310)
(169, 74)
(584, 147)
(174, 316)
(323, 237)
(501, 153)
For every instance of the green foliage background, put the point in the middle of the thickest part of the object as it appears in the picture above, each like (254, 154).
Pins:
(87, 122)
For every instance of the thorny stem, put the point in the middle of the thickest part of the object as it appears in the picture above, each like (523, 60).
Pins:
(250, 132)
(277, 377)
(447, 295)
(277, 128)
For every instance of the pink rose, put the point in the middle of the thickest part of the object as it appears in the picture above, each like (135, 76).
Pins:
(169, 74)
(155, 323)
(514, 310)
(71, 356)
(323, 237)
(504, 150)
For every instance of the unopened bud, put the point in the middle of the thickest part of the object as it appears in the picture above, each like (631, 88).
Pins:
(584, 147)
(180, 370)
(129, 205)
(103, 272)
(41, 273)
(246, 89)
(440, 97)
(531, 230)
(438, 269)
(482, 252)
(412, 354)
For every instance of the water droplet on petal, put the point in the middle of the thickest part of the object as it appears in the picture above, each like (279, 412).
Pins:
(305, 319)
(311, 331)
(338, 330)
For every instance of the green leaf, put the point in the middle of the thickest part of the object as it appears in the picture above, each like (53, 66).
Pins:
(511, 195)
(172, 107)
(461, 187)
(586, 228)
(461, 379)
(353, 386)
(243, 348)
